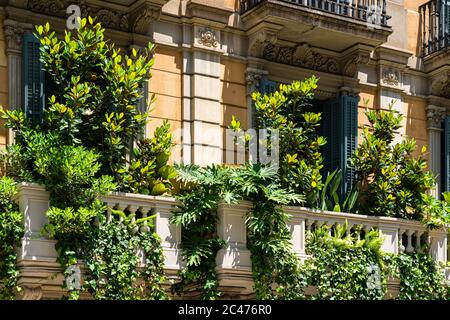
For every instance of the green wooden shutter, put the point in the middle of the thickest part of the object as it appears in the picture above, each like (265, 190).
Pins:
(349, 105)
(268, 86)
(445, 176)
(340, 127)
(33, 75)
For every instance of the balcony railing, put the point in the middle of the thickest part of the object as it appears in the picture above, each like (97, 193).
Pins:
(435, 26)
(370, 11)
(37, 256)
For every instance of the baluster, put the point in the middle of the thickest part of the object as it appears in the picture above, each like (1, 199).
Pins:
(430, 26)
(348, 233)
(366, 229)
(417, 244)
(308, 224)
(409, 247)
(121, 207)
(108, 215)
(144, 227)
(133, 211)
(401, 247)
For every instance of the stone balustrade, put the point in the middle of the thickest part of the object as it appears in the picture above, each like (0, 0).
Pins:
(37, 255)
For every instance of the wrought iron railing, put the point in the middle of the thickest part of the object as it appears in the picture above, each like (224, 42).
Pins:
(435, 26)
(372, 12)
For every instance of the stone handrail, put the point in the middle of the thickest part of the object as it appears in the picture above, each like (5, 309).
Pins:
(37, 255)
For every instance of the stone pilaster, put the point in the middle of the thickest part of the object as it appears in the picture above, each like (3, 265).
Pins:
(202, 111)
(14, 33)
(435, 116)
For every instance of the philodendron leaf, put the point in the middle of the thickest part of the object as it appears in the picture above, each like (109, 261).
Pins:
(158, 189)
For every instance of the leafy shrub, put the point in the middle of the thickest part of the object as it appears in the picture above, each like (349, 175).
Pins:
(343, 267)
(421, 278)
(149, 172)
(200, 192)
(391, 181)
(11, 232)
(299, 142)
(79, 151)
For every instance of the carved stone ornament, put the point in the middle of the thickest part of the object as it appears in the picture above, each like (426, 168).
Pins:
(207, 37)
(137, 21)
(253, 79)
(440, 85)
(301, 56)
(14, 32)
(391, 77)
(435, 116)
(352, 62)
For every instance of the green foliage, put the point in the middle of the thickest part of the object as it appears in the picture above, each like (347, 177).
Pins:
(11, 232)
(329, 198)
(343, 267)
(299, 142)
(79, 152)
(148, 172)
(391, 182)
(421, 278)
(275, 268)
(114, 265)
(200, 193)
(97, 92)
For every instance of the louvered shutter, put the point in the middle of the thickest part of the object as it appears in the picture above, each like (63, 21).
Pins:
(446, 156)
(340, 127)
(349, 105)
(268, 86)
(33, 75)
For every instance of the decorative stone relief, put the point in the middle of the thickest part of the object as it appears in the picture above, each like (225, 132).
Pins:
(207, 37)
(14, 32)
(142, 18)
(301, 56)
(352, 62)
(391, 77)
(435, 116)
(137, 21)
(440, 85)
(253, 79)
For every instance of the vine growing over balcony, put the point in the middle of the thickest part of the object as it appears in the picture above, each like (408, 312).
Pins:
(79, 152)
(11, 232)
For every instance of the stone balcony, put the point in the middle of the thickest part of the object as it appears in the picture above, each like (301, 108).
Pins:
(41, 278)
(336, 25)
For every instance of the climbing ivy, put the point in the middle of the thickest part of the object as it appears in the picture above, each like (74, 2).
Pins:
(11, 232)
(344, 267)
(421, 278)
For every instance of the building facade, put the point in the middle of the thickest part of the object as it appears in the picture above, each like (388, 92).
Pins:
(212, 54)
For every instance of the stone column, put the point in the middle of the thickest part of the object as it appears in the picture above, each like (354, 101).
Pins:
(435, 117)
(14, 33)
